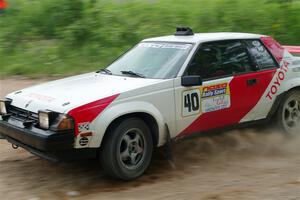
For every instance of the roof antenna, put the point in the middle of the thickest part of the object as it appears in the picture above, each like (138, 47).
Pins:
(184, 31)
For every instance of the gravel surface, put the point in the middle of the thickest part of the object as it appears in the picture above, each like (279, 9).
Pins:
(256, 163)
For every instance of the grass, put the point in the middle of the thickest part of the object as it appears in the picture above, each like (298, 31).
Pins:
(62, 37)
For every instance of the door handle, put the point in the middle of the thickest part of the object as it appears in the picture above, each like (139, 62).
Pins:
(251, 82)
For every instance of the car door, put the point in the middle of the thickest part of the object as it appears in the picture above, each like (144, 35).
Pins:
(231, 87)
(268, 70)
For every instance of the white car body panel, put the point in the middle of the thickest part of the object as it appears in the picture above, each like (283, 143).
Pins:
(152, 102)
(204, 37)
(77, 90)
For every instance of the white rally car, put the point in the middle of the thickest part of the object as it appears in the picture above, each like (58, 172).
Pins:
(163, 88)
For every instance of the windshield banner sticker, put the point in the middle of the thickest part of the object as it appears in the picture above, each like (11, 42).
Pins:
(166, 46)
(215, 97)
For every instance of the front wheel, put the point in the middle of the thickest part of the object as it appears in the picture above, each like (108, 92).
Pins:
(127, 149)
(288, 116)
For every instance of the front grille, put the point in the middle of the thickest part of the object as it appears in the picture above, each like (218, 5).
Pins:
(22, 115)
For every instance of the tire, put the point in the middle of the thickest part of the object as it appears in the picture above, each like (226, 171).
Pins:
(127, 150)
(288, 115)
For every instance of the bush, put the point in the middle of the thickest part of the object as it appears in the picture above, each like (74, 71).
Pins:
(72, 36)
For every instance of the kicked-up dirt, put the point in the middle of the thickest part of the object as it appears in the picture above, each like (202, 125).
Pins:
(255, 163)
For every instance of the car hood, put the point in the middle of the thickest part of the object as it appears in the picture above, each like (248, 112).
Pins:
(68, 93)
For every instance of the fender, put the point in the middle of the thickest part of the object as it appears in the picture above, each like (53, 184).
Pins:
(293, 76)
(290, 84)
(115, 111)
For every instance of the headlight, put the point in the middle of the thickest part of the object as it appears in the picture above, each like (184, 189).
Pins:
(3, 106)
(44, 118)
(55, 121)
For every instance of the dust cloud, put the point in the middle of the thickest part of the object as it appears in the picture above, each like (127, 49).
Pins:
(251, 142)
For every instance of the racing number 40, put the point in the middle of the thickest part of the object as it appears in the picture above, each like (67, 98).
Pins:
(191, 102)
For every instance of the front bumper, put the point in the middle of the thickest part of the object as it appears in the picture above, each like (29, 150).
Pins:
(44, 143)
(43, 140)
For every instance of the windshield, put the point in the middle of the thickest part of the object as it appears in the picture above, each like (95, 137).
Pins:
(152, 60)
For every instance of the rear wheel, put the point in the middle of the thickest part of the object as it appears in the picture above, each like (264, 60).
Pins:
(288, 116)
(127, 149)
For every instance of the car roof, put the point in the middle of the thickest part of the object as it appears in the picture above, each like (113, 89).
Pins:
(204, 37)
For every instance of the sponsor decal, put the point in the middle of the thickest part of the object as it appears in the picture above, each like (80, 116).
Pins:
(41, 97)
(85, 134)
(205, 99)
(215, 97)
(82, 127)
(280, 76)
(214, 90)
(83, 141)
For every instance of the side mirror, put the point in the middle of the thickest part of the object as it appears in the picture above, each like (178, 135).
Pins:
(187, 81)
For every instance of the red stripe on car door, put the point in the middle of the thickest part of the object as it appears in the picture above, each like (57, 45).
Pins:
(243, 99)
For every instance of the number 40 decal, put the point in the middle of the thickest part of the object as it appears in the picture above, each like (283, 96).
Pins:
(191, 102)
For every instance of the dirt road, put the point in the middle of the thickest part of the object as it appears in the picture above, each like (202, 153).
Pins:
(241, 164)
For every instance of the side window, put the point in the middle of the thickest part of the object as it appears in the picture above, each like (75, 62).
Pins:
(261, 55)
(218, 59)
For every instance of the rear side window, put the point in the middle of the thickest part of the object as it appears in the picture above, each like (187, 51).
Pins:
(219, 59)
(262, 56)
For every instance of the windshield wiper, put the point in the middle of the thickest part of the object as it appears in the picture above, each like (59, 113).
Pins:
(106, 71)
(133, 74)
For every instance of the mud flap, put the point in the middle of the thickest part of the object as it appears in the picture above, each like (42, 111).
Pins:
(167, 149)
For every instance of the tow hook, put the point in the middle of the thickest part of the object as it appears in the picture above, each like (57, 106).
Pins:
(14, 146)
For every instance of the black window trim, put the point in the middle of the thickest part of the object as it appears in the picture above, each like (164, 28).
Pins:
(252, 60)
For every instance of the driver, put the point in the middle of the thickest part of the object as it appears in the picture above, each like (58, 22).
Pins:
(205, 64)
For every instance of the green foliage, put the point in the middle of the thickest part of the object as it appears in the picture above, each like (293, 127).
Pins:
(72, 36)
